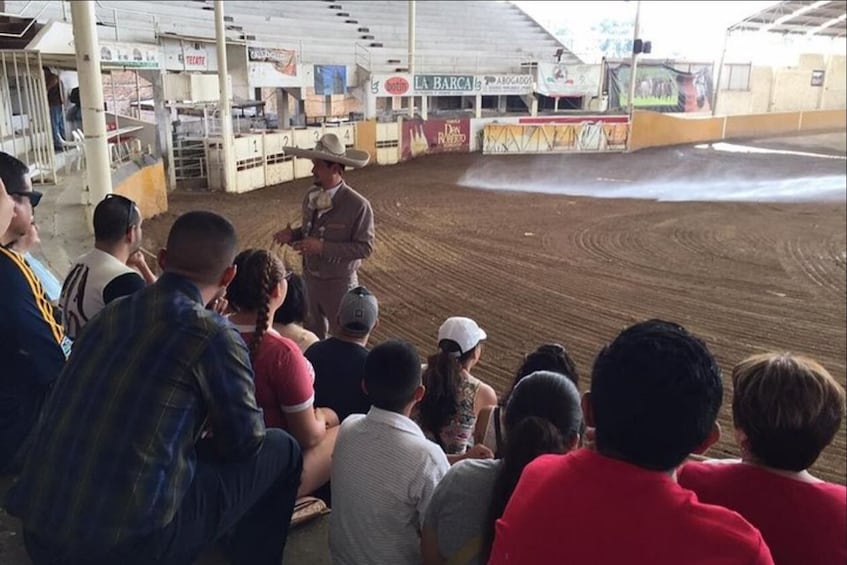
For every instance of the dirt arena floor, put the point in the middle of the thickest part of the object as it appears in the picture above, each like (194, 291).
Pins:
(533, 268)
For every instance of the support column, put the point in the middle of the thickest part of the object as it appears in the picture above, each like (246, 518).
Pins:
(719, 75)
(164, 127)
(533, 106)
(301, 112)
(501, 104)
(633, 67)
(411, 64)
(478, 106)
(424, 109)
(370, 104)
(327, 106)
(283, 114)
(225, 102)
(98, 171)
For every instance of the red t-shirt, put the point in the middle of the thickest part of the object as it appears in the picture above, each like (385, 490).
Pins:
(585, 508)
(802, 523)
(285, 380)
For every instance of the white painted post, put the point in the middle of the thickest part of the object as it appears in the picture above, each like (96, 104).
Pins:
(225, 104)
(98, 171)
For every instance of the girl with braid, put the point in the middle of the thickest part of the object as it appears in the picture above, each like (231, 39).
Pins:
(284, 378)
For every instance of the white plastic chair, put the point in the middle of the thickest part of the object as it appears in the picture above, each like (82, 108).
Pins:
(79, 142)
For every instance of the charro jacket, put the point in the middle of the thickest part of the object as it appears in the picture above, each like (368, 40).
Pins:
(347, 230)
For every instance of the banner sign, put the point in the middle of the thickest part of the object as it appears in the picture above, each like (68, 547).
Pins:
(419, 137)
(194, 57)
(559, 80)
(283, 60)
(506, 84)
(330, 79)
(130, 55)
(445, 84)
(404, 84)
(592, 135)
(661, 88)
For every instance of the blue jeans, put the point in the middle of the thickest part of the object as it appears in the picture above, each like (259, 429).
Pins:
(245, 506)
(57, 121)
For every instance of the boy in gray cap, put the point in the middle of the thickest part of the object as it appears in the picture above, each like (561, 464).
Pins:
(339, 361)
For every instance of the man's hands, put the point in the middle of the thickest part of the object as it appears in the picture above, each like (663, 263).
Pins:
(136, 260)
(139, 263)
(305, 246)
(479, 451)
(284, 236)
(309, 246)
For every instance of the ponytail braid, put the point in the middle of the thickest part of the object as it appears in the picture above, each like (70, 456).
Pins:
(258, 272)
(266, 284)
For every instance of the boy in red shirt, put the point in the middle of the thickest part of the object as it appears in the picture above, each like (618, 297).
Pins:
(786, 410)
(655, 395)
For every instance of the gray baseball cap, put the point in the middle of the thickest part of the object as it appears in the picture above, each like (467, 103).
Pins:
(358, 312)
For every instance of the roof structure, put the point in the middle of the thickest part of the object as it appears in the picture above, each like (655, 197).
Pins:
(826, 18)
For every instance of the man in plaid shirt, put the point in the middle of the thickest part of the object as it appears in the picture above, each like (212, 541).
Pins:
(118, 472)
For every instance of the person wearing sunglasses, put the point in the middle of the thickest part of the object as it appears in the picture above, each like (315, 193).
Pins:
(33, 345)
(547, 357)
(114, 268)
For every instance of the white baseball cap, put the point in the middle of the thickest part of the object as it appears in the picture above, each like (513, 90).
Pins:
(464, 331)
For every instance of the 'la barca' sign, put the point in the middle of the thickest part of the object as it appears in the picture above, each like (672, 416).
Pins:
(445, 83)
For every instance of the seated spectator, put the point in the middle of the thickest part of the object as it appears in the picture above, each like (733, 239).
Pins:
(655, 395)
(543, 416)
(25, 245)
(448, 412)
(284, 378)
(7, 208)
(786, 410)
(290, 317)
(33, 345)
(117, 472)
(384, 470)
(339, 361)
(548, 357)
(114, 268)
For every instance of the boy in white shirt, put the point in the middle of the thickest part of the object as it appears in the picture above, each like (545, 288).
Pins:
(384, 470)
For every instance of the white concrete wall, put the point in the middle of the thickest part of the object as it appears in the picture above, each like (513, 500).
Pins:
(789, 89)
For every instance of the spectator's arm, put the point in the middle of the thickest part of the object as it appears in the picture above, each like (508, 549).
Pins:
(429, 547)
(226, 380)
(307, 426)
(51, 80)
(123, 285)
(28, 320)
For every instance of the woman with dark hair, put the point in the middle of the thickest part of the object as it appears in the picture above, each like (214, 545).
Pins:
(285, 380)
(447, 414)
(543, 416)
(548, 357)
(289, 318)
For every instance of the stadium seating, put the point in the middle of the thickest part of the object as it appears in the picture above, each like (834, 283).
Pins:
(493, 36)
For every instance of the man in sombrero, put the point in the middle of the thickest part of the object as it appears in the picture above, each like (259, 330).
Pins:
(336, 234)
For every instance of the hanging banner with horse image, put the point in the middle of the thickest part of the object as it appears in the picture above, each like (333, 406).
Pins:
(661, 88)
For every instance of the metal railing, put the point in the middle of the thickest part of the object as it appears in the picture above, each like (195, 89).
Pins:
(26, 130)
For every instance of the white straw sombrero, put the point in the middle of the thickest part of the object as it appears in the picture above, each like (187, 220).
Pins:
(330, 148)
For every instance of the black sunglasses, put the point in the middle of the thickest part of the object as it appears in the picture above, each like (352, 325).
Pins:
(130, 206)
(34, 197)
(552, 348)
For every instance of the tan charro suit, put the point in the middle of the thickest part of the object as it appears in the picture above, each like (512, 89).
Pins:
(347, 231)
